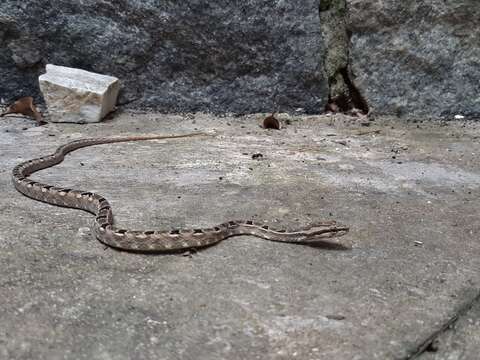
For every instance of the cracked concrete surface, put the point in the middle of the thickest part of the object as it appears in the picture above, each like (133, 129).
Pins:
(458, 339)
(409, 194)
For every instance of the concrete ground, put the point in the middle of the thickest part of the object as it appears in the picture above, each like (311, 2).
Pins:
(408, 288)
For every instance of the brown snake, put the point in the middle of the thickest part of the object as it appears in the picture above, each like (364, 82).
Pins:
(155, 241)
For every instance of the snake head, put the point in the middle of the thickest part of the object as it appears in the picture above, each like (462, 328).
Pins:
(327, 235)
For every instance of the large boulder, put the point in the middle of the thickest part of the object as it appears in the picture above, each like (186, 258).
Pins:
(221, 56)
(416, 58)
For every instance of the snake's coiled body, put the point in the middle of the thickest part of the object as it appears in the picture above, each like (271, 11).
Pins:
(156, 241)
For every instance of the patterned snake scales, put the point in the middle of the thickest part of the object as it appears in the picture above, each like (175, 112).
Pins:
(154, 241)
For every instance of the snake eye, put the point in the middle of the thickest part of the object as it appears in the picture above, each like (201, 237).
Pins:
(102, 221)
(216, 228)
(265, 227)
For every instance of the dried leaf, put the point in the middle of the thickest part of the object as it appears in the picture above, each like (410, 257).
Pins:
(270, 122)
(25, 107)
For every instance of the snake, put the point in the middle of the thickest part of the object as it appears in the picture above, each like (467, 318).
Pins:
(152, 241)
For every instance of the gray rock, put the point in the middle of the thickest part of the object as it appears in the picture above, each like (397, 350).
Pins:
(174, 56)
(417, 58)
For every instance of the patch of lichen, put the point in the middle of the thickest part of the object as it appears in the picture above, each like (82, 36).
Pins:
(332, 17)
(337, 6)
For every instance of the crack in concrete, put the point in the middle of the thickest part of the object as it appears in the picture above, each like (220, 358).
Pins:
(423, 346)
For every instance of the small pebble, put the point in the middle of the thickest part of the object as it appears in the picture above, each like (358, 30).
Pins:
(83, 231)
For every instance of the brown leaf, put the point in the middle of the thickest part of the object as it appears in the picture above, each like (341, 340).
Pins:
(270, 122)
(25, 107)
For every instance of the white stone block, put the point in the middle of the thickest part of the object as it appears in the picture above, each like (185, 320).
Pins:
(78, 96)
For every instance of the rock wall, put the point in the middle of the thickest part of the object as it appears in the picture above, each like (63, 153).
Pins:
(407, 58)
(220, 56)
(416, 58)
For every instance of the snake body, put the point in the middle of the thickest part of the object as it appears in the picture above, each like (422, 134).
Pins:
(149, 241)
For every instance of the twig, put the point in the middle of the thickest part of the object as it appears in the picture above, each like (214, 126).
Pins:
(368, 132)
